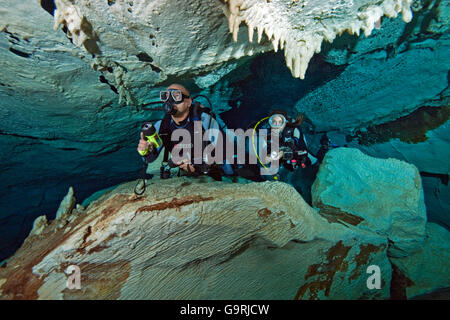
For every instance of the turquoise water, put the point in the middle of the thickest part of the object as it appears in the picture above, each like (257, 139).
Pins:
(379, 71)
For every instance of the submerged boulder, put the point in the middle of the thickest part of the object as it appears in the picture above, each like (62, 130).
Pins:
(198, 239)
(382, 195)
(427, 270)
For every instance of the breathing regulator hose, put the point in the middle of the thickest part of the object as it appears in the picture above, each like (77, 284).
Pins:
(253, 140)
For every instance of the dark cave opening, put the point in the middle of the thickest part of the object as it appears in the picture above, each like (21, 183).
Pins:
(270, 86)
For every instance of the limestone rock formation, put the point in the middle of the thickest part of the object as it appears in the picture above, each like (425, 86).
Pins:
(381, 195)
(392, 62)
(438, 199)
(137, 44)
(428, 269)
(299, 27)
(423, 144)
(67, 204)
(39, 225)
(198, 239)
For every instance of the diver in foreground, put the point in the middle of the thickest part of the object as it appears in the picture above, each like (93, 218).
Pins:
(181, 113)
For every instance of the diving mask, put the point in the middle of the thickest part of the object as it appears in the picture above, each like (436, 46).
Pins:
(170, 98)
(176, 95)
(277, 122)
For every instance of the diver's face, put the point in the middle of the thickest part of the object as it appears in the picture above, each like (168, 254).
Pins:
(277, 124)
(182, 106)
(277, 121)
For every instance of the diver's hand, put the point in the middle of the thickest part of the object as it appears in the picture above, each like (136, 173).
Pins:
(184, 165)
(274, 157)
(144, 146)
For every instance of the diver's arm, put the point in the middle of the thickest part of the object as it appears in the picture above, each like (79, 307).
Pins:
(153, 154)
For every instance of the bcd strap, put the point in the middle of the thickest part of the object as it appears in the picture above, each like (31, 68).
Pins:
(164, 134)
(166, 154)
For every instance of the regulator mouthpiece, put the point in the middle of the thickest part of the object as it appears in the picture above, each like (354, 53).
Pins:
(169, 108)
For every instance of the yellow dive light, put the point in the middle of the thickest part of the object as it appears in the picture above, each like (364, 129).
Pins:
(151, 136)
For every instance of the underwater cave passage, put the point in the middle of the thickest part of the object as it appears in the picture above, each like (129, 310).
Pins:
(49, 6)
(411, 128)
(19, 53)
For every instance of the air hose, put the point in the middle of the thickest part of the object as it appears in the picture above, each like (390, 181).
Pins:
(253, 140)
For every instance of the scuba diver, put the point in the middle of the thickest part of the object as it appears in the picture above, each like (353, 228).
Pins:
(289, 152)
(181, 113)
